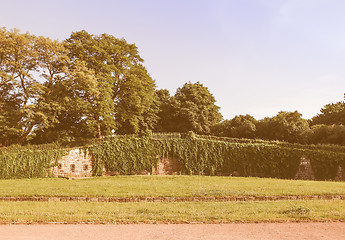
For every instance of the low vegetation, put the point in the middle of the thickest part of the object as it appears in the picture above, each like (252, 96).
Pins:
(211, 156)
(196, 155)
(166, 186)
(184, 212)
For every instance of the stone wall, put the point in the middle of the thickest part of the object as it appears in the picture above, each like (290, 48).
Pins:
(75, 164)
(340, 176)
(166, 166)
(305, 172)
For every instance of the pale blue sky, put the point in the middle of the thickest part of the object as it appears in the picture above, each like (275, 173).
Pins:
(257, 57)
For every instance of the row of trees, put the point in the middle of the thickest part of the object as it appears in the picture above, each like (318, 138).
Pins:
(328, 127)
(77, 87)
(90, 86)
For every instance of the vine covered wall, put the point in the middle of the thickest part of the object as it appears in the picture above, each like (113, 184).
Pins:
(28, 163)
(207, 156)
(199, 155)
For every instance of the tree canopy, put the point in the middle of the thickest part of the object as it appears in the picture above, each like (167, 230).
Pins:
(86, 86)
(192, 108)
(90, 86)
(241, 126)
(285, 126)
(333, 113)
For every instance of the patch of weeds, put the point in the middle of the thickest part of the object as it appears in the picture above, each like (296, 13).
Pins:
(143, 211)
(297, 211)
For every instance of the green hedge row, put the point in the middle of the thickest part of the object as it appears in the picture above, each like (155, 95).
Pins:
(123, 155)
(196, 155)
(210, 157)
(28, 163)
(325, 147)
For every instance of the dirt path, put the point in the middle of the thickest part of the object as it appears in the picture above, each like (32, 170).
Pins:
(271, 231)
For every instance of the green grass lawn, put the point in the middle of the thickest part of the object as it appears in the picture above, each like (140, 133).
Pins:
(201, 212)
(169, 186)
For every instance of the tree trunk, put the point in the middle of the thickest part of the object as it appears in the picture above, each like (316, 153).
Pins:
(99, 133)
(25, 134)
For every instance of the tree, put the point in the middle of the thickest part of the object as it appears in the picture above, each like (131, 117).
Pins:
(328, 134)
(333, 113)
(285, 126)
(10, 129)
(165, 121)
(194, 109)
(241, 126)
(70, 100)
(19, 90)
(119, 72)
(135, 109)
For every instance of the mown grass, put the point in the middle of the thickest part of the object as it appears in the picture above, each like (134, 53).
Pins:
(170, 186)
(183, 212)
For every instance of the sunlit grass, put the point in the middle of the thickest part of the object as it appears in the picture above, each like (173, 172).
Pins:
(158, 186)
(210, 212)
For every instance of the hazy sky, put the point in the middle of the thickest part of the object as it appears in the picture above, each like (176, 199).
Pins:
(257, 57)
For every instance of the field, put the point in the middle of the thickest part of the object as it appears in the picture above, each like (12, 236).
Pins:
(167, 186)
(169, 212)
(176, 212)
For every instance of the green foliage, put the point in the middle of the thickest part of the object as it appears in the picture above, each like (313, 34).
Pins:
(242, 126)
(201, 156)
(29, 162)
(192, 108)
(87, 86)
(324, 147)
(325, 163)
(197, 155)
(297, 210)
(285, 126)
(328, 134)
(127, 90)
(123, 155)
(17, 64)
(165, 113)
(333, 113)
(20, 148)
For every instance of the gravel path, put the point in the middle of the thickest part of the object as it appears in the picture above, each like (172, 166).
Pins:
(252, 231)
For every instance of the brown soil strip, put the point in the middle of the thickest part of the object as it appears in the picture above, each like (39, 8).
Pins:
(173, 199)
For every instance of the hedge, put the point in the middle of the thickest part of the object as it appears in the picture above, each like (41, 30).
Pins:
(28, 163)
(203, 156)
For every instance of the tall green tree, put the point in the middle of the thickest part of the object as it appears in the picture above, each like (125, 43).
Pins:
(69, 102)
(194, 109)
(285, 126)
(333, 113)
(19, 89)
(119, 71)
(327, 134)
(165, 113)
(135, 109)
(241, 126)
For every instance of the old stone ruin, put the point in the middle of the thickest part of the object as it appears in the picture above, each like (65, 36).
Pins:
(76, 164)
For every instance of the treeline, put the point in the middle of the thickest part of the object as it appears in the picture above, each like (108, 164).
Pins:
(88, 86)
(328, 127)
(93, 86)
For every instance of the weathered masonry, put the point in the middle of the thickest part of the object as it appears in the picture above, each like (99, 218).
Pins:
(76, 164)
